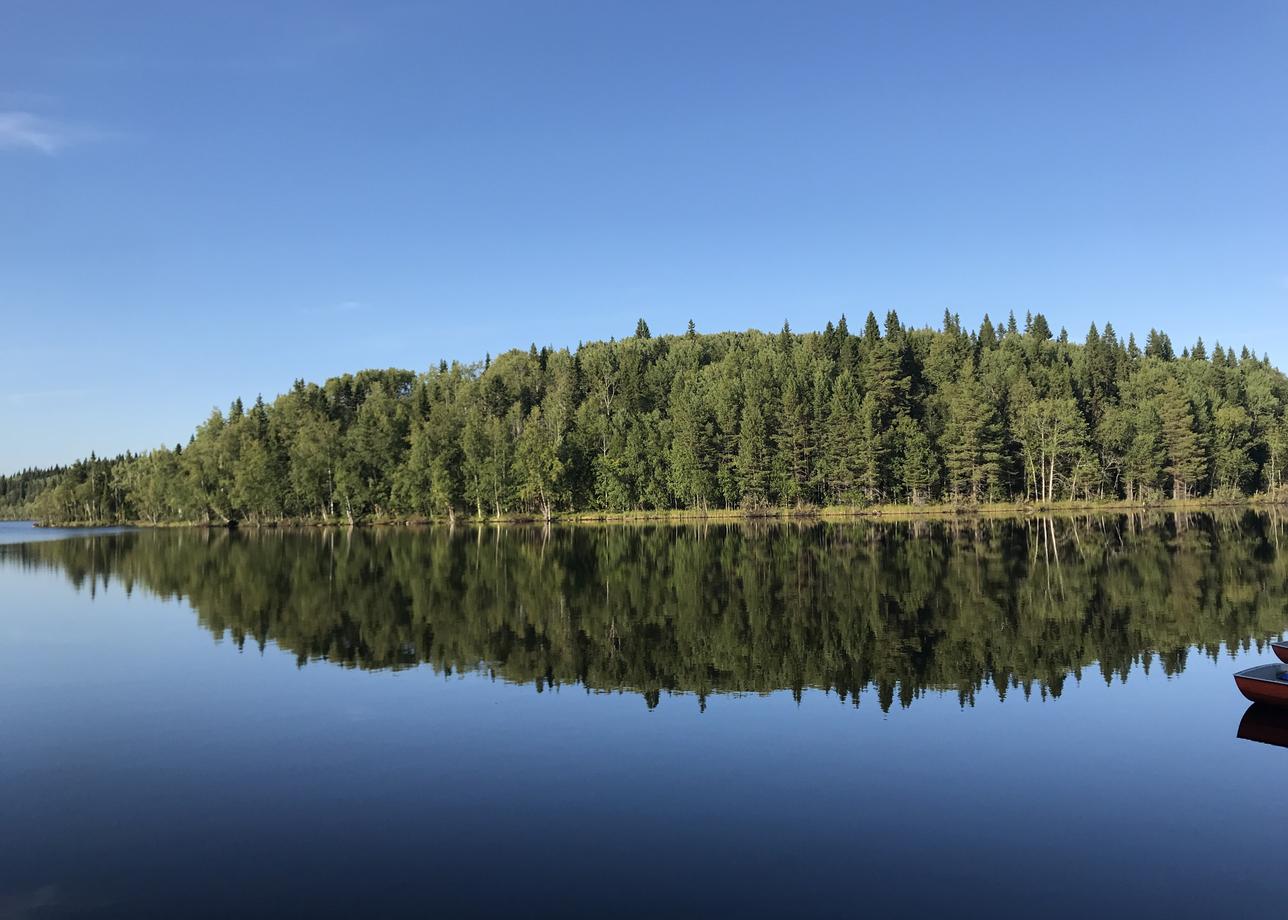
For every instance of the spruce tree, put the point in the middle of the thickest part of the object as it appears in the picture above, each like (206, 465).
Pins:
(987, 335)
(794, 447)
(753, 456)
(1185, 459)
(692, 436)
(871, 451)
(918, 467)
(972, 438)
(838, 463)
(871, 331)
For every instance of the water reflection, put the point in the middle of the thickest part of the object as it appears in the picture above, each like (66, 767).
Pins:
(1265, 724)
(984, 605)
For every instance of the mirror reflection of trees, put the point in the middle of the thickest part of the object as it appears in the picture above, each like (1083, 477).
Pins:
(996, 606)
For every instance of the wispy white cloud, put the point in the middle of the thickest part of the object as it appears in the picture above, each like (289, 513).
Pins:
(28, 131)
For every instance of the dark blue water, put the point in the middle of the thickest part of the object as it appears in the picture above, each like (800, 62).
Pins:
(608, 722)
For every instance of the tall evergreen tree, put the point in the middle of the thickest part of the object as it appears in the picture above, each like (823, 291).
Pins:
(839, 463)
(1184, 453)
(972, 438)
(753, 456)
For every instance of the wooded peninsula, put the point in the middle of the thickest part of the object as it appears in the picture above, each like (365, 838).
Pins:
(751, 422)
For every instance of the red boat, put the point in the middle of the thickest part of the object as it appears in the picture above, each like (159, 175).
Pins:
(1281, 650)
(1266, 683)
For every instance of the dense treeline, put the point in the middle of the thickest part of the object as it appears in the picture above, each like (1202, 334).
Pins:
(18, 493)
(895, 609)
(731, 420)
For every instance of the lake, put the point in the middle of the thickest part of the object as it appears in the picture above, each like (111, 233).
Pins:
(884, 719)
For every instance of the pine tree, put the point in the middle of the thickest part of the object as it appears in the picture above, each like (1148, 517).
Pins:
(1146, 454)
(918, 467)
(871, 450)
(1185, 460)
(838, 465)
(1158, 345)
(871, 331)
(987, 335)
(972, 438)
(692, 436)
(753, 456)
(794, 446)
(882, 380)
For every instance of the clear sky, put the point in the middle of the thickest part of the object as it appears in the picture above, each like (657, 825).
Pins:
(199, 201)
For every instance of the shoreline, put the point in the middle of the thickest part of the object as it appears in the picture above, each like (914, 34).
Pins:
(928, 512)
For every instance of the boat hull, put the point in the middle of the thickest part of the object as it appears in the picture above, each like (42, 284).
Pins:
(1262, 685)
(1281, 650)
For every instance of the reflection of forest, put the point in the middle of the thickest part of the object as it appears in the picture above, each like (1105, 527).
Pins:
(901, 607)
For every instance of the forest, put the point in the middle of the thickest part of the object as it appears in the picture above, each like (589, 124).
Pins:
(886, 610)
(752, 421)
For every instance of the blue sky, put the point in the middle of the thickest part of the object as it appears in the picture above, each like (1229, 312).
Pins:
(199, 201)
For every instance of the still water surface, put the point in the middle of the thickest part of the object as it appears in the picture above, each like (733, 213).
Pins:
(866, 719)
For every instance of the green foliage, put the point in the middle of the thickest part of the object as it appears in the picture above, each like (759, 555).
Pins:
(694, 421)
(972, 439)
(1186, 458)
(753, 455)
(1052, 433)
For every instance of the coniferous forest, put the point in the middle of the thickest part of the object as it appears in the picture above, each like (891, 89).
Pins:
(751, 421)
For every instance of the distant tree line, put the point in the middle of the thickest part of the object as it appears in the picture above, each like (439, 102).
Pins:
(890, 611)
(731, 420)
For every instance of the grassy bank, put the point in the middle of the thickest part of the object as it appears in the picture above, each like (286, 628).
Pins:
(929, 512)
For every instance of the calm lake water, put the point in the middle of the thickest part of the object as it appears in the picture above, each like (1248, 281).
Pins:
(1012, 717)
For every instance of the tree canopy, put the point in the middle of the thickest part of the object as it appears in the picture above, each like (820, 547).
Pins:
(746, 420)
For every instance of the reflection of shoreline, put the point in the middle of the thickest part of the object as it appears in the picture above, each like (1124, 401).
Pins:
(1265, 724)
(993, 606)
